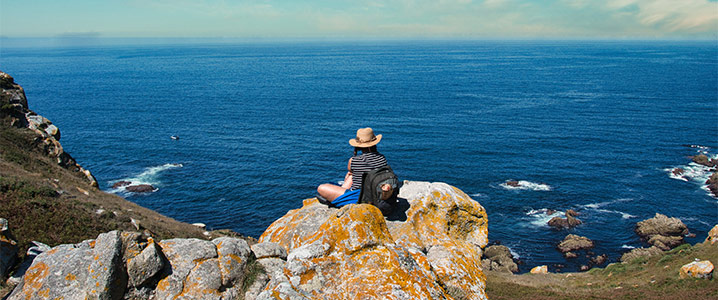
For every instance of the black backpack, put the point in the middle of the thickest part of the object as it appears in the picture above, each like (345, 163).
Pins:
(371, 189)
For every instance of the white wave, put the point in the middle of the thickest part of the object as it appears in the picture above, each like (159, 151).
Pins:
(627, 247)
(467, 95)
(476, 195)
(693, 172)
(514, 253)
(526, 185)
(602, 204)
(623, 214)
(694, 219)
(150, 176)
(540, 217)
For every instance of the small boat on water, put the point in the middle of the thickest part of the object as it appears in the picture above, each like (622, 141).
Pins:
(175, 137)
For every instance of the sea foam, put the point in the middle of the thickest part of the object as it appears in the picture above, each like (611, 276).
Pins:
(693, 172)
(526, 185)
(540, 217)
(150, 176)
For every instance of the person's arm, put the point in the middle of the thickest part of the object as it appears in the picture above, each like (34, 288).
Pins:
(348, 179)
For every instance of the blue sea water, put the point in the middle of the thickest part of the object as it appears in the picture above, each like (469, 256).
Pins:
(594, 126)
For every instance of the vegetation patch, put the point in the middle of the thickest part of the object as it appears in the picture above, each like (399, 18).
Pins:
(38, 213)
(253, 270)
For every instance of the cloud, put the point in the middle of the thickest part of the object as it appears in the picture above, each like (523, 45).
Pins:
(372, 18)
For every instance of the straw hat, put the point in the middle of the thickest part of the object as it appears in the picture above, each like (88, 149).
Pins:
(365, 138)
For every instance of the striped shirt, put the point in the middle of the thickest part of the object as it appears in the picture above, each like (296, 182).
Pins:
(363, 163)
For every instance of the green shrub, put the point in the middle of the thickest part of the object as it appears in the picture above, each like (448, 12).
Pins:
(616, 268)
(252, 271)
(683, 248)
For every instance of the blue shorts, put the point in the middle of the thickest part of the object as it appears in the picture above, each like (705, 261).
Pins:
(349, 197)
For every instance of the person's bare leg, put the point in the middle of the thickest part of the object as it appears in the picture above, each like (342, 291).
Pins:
(330, 191)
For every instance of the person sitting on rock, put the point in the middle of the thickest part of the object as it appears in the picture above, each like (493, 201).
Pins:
(369, 159)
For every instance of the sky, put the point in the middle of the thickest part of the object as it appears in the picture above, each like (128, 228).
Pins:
(460, 19)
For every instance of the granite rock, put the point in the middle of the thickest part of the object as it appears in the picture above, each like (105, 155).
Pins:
(435, 253)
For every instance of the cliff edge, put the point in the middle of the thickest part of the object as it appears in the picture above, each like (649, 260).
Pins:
(314, 252)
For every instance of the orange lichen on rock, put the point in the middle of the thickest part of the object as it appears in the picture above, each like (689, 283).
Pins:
(434, 254)
(697, 269)
(712, 237)
(291, 230)
(34, 278)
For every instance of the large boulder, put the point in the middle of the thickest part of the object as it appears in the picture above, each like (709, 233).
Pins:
(202, 269)
(434, 254)
(697, 269)
(662, 231)
(91, 269)
(128, 265)
(539, 270)
(34, 249)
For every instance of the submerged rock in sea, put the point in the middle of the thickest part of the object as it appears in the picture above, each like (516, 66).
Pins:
(434, 254)
(140, 188)
(569, 221)
(661, 231)
(121, 183)
(574, 242)
(702, 159)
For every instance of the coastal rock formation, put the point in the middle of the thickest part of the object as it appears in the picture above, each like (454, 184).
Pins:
(564, 223)
(121, 183)
(13, 105)
(539, 270)
(499, 258)
(140, 188)
(573, 243)
(90, 269)
(661, 231)
(697, 269)
(434, 254)
(712, 183)
(120, 265)
(314, 252)
(703, 160)
(640, 252)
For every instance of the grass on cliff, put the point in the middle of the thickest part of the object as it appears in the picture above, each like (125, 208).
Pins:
(45, 202)
(645, 278)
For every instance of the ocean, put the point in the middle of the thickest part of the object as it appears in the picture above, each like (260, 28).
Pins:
(594, 126)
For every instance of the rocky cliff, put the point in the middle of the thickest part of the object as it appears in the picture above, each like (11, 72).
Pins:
(315, 252)
(15, 112)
